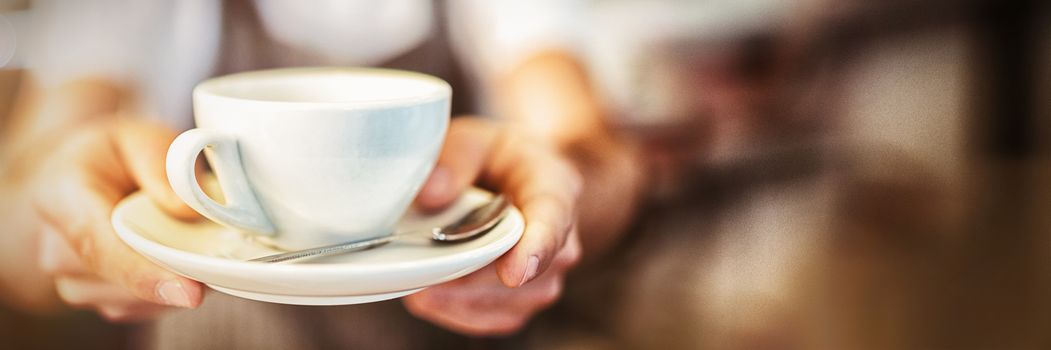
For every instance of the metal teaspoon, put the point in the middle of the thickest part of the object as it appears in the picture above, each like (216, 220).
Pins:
(478, 221)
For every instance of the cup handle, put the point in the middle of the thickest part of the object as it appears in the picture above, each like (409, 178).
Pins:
(242, 210)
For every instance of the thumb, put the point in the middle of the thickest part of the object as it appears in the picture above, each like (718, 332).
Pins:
(144, 147)
(467, 147)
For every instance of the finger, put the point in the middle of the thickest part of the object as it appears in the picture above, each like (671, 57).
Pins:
(491, 324)
(112, 302)
(545, 188)
(56, 257)
(570, 253)
(80, 212)
(131, 312)
(486, 280)
(492, 296)
(92, 292)
(466, 150)
(143, 148)
(462, 318)
(483, 306)
(482, 292)
(472, 324)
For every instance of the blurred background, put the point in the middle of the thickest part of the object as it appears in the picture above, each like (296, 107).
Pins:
(823, 174)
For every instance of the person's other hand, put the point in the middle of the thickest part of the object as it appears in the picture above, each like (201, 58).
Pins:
(84, 177)
(502, 297)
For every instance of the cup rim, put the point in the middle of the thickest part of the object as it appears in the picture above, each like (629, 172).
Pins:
(208, 88)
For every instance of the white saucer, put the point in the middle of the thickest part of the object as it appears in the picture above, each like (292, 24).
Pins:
(214, 255)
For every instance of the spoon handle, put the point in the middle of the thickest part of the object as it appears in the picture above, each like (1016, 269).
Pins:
(328, 250)
(478, 221)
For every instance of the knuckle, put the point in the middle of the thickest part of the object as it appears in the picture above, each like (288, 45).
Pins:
(140, 284)
(116, 314)
(85, 246)
(171, 204)
(69, 293)
(413, 304)
(541, 226)
(547, 237)
(48, 256)
(573, 178)
(77, 303)
(562, 210)
(571, 252)
(504, 327)
(48, 266)
(550, 294)
(574, 257)
(570, 255)
(517, 140)
(466, 122)
(499, 327)
(477, 128)
(420, 303)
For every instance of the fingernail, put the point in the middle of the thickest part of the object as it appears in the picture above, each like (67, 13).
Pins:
(531, 267)
(173, 294)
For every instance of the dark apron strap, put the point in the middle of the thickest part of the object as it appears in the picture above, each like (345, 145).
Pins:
(246, 46)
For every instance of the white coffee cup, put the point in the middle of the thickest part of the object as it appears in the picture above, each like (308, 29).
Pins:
(312, 156)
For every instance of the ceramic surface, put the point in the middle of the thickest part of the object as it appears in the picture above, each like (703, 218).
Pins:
(215, 255)
(311, 156)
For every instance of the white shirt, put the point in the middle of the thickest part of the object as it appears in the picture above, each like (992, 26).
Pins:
(164, 48)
